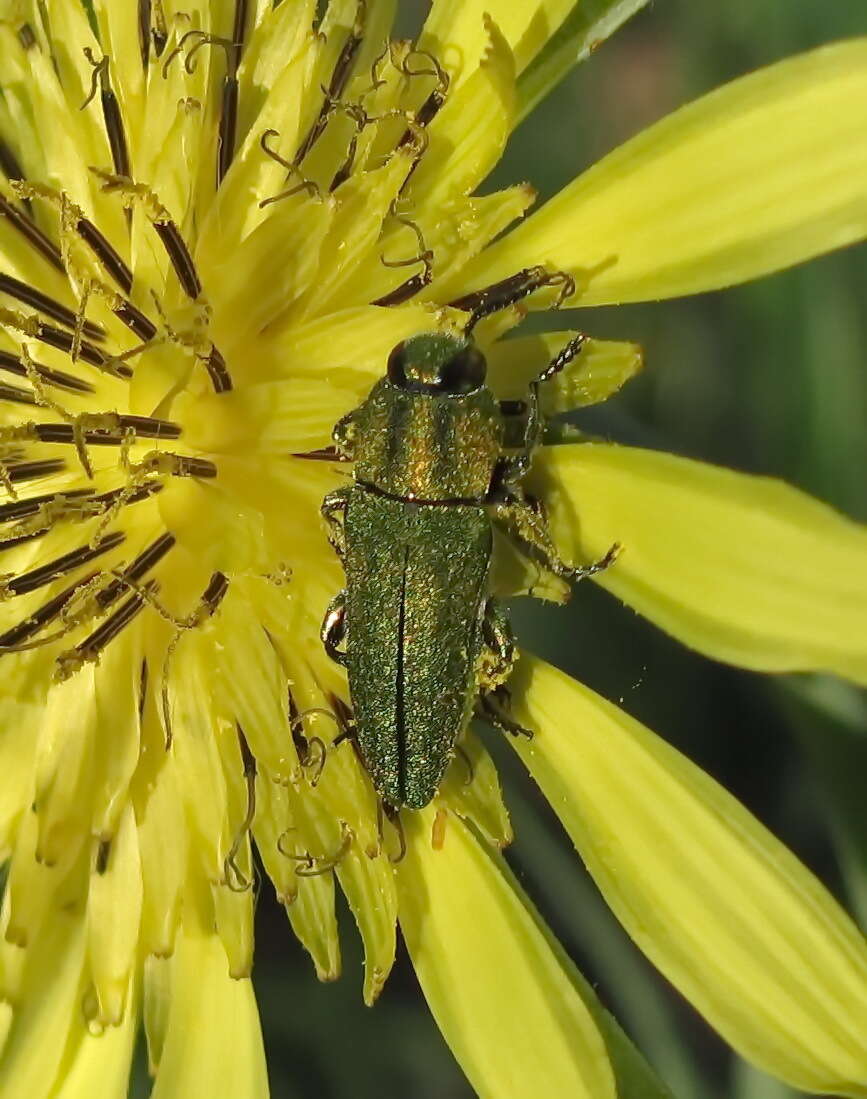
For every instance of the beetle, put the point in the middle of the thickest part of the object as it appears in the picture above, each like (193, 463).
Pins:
(426, 646)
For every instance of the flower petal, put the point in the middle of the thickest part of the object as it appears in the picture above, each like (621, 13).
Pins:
(761, 174)
(504, 1004)
(213, 1042)
(603, 367)
(746, 569)
(719, 905)
(583, 31)
(454, 31)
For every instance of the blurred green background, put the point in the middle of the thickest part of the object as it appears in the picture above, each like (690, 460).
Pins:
(768, 378)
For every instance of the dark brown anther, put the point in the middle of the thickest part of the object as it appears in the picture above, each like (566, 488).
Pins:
(31, 471)
(215, 592)
(105, 253)
(16, 395)
(136, 321)
(143, 678)
(32, 234)
(194, 467)
(42, 616)
(405, 291)
(218, 372)
(29, 295)
(89, 649)
(12, 364)
(100, 862)
(52, 570)
(11, 168)
(337, 85)
(144, 31)
(64, 341)
(144, 427)
(26, 36)
(434, 102)
(23, 509)
(110, 113)
(226, 137)
(138, 569)
(417, 282)
(106, 500)
(180, 257)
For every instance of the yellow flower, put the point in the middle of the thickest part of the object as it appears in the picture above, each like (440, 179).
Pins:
(203, 268)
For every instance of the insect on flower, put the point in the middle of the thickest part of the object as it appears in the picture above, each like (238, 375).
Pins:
(427, 647)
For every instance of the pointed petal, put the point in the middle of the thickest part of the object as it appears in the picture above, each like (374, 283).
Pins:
(583, 31)
(213, 1041)
(759, 175)
(719, 905)
(454, 31)
(746, 569)
(496, 989)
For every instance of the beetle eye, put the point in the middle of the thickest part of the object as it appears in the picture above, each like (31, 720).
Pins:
(463, 373)
(397, 366)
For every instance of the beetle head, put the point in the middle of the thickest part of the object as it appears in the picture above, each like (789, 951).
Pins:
(438, 364)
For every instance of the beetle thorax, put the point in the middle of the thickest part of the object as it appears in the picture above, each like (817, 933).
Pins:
(428, 447)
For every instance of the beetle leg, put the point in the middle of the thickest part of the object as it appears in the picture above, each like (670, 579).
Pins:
(334, 628)
(494, 667)
(489, 711)
(523, 520)
(333, 511)
(497, 657)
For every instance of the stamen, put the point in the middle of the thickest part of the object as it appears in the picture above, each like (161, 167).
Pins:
(160, 218)
(17, 395)
(26, 36)
(105, 253)
(107, 429)
(360, 119)
(23, 509)
(110, 113)
(29, 295)
(144, 31)
(148, 559)
(58, 378)
(41, 617)
(10, 167)
(32, 234)
(30, 471)
(339, 79)
(37, 578)
(88, 652)
(419, 281)
(434, 102)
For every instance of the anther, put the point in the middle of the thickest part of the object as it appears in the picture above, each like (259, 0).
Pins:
(339, 79)
(29, 295)
(37, 578)
(19, 635)
(110, 113)
(32, 234)
(89, 651)
(419, 281)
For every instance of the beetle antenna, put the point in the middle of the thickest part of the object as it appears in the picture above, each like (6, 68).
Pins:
(501, 295)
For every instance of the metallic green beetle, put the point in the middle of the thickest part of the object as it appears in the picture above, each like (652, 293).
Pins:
(426, 648)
